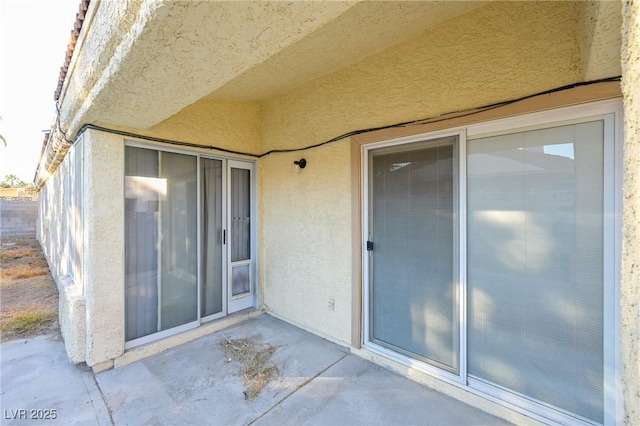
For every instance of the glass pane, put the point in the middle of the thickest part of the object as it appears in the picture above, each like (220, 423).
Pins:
(240, 280)
(211, 298)
(535, 264)
(414, 299)
(178, 238)
(143, 190)
(161, 243)
(240, 214)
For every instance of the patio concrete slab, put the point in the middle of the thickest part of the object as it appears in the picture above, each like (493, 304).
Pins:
(195, 384)
(40, 386)
(319, 383)
(356, 392)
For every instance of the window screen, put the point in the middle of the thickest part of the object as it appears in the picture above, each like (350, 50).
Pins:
(413, 293)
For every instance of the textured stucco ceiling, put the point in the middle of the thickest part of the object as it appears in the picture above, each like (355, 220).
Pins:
(364, 29)
(171, 54)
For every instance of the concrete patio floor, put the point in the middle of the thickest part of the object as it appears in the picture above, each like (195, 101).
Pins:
(318, 383)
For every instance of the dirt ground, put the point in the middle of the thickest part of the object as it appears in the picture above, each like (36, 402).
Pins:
(28, 294)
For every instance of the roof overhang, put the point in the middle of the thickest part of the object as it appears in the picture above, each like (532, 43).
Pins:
(175, 53)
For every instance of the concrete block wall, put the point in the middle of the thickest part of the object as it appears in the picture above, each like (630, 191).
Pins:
(18, 218)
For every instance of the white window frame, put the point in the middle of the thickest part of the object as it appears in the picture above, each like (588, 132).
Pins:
(236, 302)
(611, 112)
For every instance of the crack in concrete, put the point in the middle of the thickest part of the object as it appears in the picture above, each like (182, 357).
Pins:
(106, 403)
(297, 388)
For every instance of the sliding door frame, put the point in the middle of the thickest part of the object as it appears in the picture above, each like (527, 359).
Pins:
(243, 162)
(611, 112)
(223, 212)
(236, 303)
(460, 220)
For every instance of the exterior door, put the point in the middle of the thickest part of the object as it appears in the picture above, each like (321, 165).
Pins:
(189, 248)
(213, 255)
(413, 296)
(161, 249)
(491, 256)
(240, 245)
(226, 265)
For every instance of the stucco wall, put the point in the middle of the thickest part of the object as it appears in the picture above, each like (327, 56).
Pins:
(55, 239)
(498, 52)
(232, 125)
(104, 242)
(91, 307)
(630, 271)
(601, 39)
(306, 239)
(134, 47)
(53, 221)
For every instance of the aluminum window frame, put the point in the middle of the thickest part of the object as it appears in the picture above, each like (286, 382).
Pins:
(460, 191)
(200, 153)
(611, 112)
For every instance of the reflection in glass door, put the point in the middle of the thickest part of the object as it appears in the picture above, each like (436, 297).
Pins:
(161, 241)
(536, 209)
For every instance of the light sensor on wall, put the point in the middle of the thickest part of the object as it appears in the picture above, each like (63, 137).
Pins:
(300, 164)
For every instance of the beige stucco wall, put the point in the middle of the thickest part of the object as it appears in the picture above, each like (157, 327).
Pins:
(232, 125)
(498, 52)
(305, 255)
(630, 270)
(104, 243)
(55, 239)
(174, 53)
(601, 39)
(91, 307)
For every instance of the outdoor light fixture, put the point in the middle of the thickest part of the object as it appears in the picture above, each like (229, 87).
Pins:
(300, 164)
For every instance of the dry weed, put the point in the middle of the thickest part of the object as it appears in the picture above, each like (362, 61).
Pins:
(256, 371)
(29, 297)
(24, 271)
(13, 253)
(20, 324)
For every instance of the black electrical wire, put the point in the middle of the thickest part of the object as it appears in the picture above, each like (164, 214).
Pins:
(439, 118)
(162, 140)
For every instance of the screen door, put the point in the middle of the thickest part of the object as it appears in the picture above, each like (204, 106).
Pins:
(413, 286)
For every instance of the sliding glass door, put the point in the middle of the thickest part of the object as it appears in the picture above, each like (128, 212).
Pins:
(212, 301)
(161, 241)
(491, 255)
(536, 264)
(414, 297)
(189, 245)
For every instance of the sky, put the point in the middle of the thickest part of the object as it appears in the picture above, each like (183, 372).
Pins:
(34, 35)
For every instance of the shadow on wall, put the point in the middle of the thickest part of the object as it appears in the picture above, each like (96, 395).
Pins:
(18, 218)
